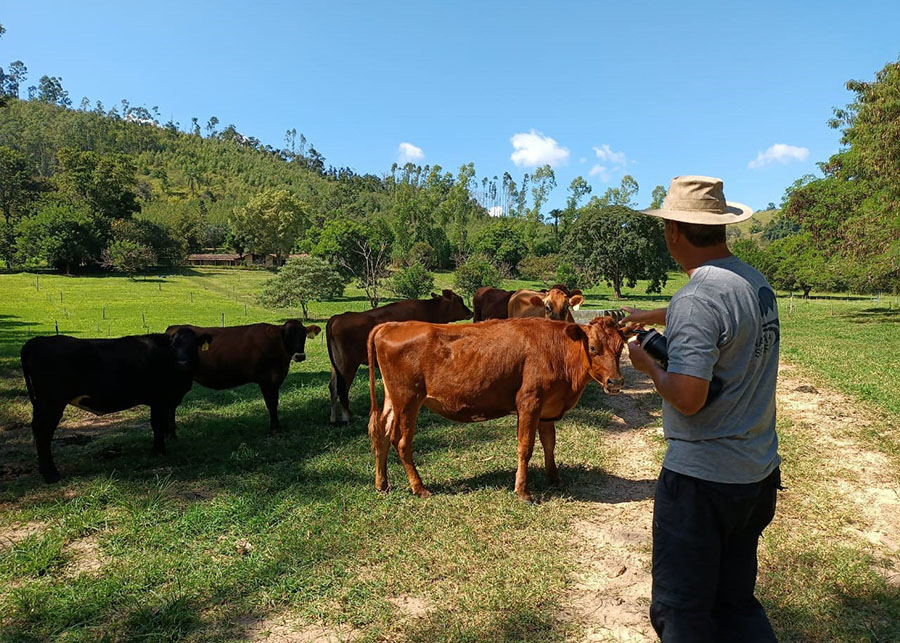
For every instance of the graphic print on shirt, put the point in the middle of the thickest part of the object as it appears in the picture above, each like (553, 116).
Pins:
(770, 332)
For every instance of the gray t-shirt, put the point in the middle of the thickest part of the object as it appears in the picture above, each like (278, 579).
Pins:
(724, 323)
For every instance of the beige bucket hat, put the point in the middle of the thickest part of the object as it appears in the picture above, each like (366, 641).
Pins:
(700, 199)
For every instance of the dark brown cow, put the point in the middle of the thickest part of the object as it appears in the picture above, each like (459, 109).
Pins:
(536, 368)
(347, 333)
(491, 303)
(258, 353)
(558, 303)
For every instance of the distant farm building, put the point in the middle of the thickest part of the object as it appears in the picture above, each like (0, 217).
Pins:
(235, 259)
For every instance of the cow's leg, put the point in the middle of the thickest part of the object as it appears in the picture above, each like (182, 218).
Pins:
(380, 426)
(402, 434)
(547, 431)
(44, 420)
(529, 418)
(159, 421)
(170, 424)
(344, 380)
(270, 395)
(332, 389)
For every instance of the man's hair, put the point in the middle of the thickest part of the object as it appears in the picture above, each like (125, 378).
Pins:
(700, 235)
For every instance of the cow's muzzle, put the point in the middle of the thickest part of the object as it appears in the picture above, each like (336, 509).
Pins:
(299, 357)
(613, 385)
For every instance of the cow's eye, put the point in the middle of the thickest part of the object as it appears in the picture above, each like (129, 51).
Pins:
(593, 349)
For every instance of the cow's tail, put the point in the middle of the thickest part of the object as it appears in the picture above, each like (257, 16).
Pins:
(340, 381)
(376, 423)
(26, 352)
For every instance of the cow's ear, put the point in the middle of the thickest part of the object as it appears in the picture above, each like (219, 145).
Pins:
(575, 301)
(203, 341)
(312, 331)
(536, 301)
(448, 294)
(434, 295)
(574, 332)
(577, 291)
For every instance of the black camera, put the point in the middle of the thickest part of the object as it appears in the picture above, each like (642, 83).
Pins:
(654, 343)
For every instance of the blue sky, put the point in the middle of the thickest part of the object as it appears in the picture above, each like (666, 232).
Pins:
(653, 89)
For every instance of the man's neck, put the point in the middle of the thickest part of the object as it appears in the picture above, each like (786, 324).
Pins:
(700, 256)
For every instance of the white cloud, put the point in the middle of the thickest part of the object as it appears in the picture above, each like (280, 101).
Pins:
(779, 153)
(600, 170)
(535, 149)
(604, 153)
(495, 211)
(409, 153)
(610, 162)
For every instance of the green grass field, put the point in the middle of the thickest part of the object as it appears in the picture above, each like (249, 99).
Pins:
(232, 525)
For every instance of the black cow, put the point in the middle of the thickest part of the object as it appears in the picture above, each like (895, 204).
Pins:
(107, 375)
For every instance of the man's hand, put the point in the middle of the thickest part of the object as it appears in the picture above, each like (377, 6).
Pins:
(655, 317)
(641, 359)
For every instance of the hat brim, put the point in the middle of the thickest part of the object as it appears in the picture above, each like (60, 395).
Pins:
(734, 213)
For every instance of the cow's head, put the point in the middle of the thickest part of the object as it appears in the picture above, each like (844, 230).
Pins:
(451, 307)
(604, 341)
(557, 302)
(185, 345)
(293, 335)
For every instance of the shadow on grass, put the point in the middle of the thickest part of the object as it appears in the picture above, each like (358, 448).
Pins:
(587, 484)
(873, 315)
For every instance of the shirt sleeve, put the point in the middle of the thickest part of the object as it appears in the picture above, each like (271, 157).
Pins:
(692, 336)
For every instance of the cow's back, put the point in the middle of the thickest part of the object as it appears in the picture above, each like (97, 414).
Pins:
(115, 373)
(491, 303)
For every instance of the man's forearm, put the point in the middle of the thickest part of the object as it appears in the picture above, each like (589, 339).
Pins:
(685, 393)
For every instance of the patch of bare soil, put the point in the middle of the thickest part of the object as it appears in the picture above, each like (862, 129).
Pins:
(84, 556)
(284, 629)
(14, 534)
(412, 607)
(610, 594)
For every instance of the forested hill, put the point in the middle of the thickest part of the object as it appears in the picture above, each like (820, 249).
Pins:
(180, 172)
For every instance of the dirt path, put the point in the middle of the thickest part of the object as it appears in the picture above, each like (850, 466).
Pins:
(610, 595)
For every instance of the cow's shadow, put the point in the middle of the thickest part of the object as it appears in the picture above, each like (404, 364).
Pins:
(579, 482)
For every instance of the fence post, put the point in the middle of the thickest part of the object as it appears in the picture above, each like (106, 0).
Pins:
(56, 321)
(223, 319)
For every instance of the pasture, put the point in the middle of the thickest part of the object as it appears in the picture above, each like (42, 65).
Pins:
(235, 534)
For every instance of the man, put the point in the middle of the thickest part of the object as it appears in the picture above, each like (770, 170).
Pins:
(716, 491)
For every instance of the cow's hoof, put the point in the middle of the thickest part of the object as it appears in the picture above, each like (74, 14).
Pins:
(554, 482)
(525, 497)
(422, 492)
(51, 477)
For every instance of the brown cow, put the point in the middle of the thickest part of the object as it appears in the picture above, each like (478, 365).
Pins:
(557, 304)
(536, 368)
(347, 333)
(491, 303)
(258, 353)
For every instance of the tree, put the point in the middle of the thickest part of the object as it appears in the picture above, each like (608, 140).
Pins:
(542, 183)
(301, 281)
(64, 236)
(12, 80)
(619, 246)
(423, 254)
(794, 263)
(476, 272)
(622, 195)
(160, 240)
(359, 252)
(578, 189)
(270, 223)
(542, 269)
(129, 257)
(657, 197)
(412, 282)
(105, 183)
(503, 240)
(50, 90)
(17, 192)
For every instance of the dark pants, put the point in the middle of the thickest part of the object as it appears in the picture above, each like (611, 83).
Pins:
(705, 536)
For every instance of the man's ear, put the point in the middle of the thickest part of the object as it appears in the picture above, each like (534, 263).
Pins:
(536, 301)
(312, 331)
(575, 301)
